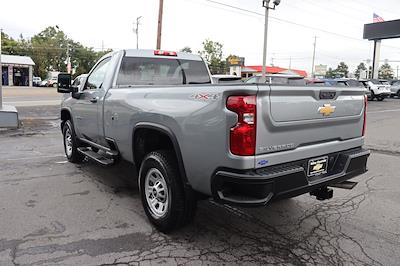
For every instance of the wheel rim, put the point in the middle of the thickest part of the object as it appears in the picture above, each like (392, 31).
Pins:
(68, 142)
(156, 193)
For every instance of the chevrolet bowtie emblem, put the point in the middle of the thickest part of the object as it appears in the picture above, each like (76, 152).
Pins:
(327, 109)
(318, 167)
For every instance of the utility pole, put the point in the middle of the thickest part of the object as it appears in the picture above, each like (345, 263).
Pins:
(159, 28)
(397, 74)
(136, 30)
(1, 71)
(290, 63)
(313, 58)
(265, 4)
(68, 61)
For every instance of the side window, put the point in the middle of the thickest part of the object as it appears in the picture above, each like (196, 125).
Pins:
(76, 82)
(252, 80)
(96, 78)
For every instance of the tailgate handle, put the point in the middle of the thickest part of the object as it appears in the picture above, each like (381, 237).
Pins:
(323, 95)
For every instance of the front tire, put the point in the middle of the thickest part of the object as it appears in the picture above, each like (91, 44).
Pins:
(71, 143)
(167, 204)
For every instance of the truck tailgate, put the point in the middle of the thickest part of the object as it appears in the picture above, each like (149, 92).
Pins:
(295, 116)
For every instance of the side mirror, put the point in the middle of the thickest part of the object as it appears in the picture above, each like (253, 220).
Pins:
(64, 83)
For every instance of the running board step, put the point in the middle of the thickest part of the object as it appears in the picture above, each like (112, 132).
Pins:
(96, 156)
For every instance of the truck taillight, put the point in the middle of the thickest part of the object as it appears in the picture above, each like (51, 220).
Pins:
(243, 134)
(365, 114)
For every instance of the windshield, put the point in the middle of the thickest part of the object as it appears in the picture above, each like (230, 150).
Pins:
(161, 71)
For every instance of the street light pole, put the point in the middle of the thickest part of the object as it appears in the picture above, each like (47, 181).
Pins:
(267, 8)
(136, 29)
(266, 5)
(313, 58)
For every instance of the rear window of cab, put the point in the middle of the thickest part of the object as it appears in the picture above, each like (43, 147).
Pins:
(161, 71)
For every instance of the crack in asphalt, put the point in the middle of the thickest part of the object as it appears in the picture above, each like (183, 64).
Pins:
(220, 234)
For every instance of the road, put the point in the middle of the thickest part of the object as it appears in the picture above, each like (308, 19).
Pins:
(30, 96)
(54, 212)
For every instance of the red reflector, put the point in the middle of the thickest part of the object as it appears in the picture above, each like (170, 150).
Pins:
(365, 114)
(243, 134)
(165, 53)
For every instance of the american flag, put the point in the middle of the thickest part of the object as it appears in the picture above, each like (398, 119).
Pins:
(378, 18)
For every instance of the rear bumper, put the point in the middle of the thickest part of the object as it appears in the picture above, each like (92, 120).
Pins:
(257, 187)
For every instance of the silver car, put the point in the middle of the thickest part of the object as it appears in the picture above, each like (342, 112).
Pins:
(395, 89)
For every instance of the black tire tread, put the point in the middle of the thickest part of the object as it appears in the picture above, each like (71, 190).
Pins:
(76, 156)
(185, 203)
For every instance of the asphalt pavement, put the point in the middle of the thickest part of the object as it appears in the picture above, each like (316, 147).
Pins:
(54, 212)
(31, 96)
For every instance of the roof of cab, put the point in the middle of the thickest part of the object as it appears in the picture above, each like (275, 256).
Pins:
(150, 53)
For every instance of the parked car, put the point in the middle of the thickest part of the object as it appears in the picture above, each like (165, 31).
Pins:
(380, 89)
(282, 79)
(241, 144)
(395, 89)
(226, 79)
(36, 81)
(44, 83)
(52, 82)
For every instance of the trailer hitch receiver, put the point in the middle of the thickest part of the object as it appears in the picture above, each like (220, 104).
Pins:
(322, 193)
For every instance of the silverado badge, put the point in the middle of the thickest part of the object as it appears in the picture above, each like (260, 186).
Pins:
(326, 110)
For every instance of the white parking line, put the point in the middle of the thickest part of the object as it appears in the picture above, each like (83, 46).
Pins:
(34, 103)
(384, 111)
(35, 157)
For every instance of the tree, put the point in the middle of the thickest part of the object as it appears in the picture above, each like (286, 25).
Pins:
(186, 49)
(361, 67)
(212, 54)
(330, 73)
(48, 50)
(342, 70)
(386, 72)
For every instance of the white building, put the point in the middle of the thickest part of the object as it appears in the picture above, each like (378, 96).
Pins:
(17, 70)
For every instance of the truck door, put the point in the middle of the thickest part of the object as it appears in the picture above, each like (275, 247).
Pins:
(88, 106)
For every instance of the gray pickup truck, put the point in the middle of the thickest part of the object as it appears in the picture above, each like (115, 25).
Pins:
(244, 144)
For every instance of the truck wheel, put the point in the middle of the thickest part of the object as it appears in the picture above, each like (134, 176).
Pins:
(71, 144)
(398, 94)
(381, 98)
(372, 95)
(166, 203)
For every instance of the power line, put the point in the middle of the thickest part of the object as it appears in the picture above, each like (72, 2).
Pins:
(293, 23)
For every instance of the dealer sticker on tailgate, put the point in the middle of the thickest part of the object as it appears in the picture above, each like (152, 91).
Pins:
(317, 166)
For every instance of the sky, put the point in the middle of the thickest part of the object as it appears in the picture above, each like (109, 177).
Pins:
(337, 24)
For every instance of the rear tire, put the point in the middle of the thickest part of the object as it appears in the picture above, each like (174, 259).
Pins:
(71, 143)
(372, 95)
(167, 204)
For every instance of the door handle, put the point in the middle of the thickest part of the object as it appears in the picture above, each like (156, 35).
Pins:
(94, 99)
